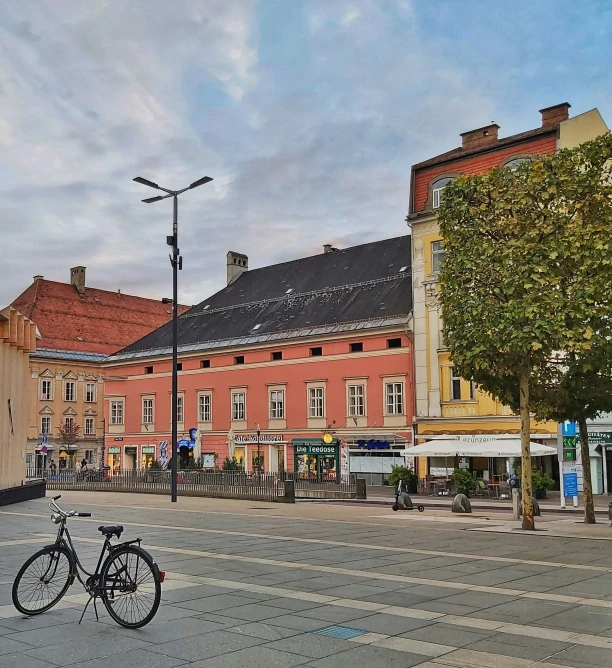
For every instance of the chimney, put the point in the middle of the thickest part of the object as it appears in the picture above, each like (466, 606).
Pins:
(38, 276)
(328, 248)
(480, 137)
(552, 116)
(237, 264)
(77, 278)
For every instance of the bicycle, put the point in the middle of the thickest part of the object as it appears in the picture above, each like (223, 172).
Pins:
(128, 580)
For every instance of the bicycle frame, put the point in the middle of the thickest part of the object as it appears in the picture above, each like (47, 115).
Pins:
(69, 545)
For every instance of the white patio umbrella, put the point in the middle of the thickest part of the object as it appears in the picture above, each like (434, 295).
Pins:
(511, 447)
(446, 448)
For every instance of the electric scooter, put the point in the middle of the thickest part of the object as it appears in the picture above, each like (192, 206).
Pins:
(401, 497)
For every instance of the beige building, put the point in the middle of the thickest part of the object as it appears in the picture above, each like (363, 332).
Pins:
(79, 326)
(18, 340)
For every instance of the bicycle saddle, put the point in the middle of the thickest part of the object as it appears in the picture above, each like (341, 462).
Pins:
(111, 530)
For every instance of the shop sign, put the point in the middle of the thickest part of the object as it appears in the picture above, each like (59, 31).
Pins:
(118, 438)
(373, 445)
(114, 451)
(186, 444)
(148, 449)
(263, 438)
(316, 449)
(600, 438)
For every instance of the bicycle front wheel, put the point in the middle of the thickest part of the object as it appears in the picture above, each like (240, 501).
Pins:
(43, 580)
(131, 590)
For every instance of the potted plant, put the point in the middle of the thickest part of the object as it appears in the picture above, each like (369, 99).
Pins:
(406, 475)
(463, 481)
(541, 482)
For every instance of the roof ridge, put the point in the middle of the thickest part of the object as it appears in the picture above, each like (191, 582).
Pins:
(293, 295)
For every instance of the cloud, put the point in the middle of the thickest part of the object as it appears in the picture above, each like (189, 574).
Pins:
(307, 114)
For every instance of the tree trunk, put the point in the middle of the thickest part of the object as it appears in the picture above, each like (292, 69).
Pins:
(589, 506)
(526, 489)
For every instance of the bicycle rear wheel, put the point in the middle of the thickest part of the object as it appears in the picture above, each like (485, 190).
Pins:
(131, 589)
(43, 580)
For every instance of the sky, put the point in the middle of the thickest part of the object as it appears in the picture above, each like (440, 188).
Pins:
(308, 114)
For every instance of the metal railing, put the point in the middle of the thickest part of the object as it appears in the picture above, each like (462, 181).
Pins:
(219, 484)
(279, 486)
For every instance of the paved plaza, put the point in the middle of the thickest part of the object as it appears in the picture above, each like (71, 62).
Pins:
(253, 585)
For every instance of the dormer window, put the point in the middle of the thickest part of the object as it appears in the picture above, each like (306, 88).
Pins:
(436, 190)
(515, 162)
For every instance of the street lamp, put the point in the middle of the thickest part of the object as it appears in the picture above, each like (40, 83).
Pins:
(177, 263)
(258, 455)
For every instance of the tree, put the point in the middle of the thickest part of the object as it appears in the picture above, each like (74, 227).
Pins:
(69, 433)
(527, 276)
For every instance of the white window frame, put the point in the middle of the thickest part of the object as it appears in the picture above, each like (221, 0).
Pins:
(71, 384)
(204, 407)
(148, 407)
(437, 256)
(45, 420)
(277, 404)
(46, 396)
(180, 408)
(436, 193)
(316, 402)
(355, 400)
(394, 398)
(455, 382)
(90, 421)
(116, 411)
(69, 419)
(238, 406)
(89, 384)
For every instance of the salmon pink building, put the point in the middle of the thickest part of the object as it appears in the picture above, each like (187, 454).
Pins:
(271, 363)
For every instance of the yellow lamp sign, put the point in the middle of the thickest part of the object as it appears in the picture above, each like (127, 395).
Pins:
(327, 438)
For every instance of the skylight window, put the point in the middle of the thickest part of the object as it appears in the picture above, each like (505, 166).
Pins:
(256, 327)
(207, 306)
(403, 269)
(289, 291)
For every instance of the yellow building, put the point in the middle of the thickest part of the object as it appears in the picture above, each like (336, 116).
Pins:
(445, 403)
(17, 341)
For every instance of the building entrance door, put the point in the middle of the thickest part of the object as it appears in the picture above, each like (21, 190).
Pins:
(130, 458)
(608, 452)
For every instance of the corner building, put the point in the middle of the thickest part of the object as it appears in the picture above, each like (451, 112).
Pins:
(445, 403)
(294, 349)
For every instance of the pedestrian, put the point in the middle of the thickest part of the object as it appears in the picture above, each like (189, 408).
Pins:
(84, 464)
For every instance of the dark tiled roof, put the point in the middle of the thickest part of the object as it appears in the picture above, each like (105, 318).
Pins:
(362, 283)
(99, 321)
(460, 152)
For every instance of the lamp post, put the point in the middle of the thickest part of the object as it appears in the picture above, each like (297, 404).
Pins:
(258, 454)
(177, 263)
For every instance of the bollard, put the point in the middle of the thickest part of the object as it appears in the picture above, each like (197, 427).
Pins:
(289, 491)
(361, 488)
(610, 512)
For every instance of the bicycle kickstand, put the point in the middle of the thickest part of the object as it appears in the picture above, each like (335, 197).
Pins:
(87, 605)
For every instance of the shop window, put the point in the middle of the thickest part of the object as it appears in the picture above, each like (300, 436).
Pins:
(316, 402)
(238, 406)
(147, 411)
(316, 352)
(45, 425)
(455, 385)
(148, 369)
(357, 347)
(239, 359)
(277, 404)
(69, 390)
(46, 390)
(278, 355)
(204, 408)
(394, 393)
(356, 400)
(116, 412)
(89, 427)
(205, 364)
(394, 343)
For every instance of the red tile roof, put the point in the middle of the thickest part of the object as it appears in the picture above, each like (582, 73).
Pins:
(98, 321)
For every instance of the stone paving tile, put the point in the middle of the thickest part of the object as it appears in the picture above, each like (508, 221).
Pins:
(387, 624)
(214, 603)
(263, 630)
(589, 656)
(294, 604)
(477, 599)
(253, 656)
(523, 611)
(447, 634)
(256, 612)
(299, 623)
(23, 661)
(357, 590)
(82, 647)
(205, 645)
(11, 646)
(138, 658)
(447, 608)
(335, 614)
(401, 598)
(492, 646)
(579, 619)
(311, 645)
(157, 632)
(367, 656)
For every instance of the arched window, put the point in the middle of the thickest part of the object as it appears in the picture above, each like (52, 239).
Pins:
(515, 162)
(436, 190)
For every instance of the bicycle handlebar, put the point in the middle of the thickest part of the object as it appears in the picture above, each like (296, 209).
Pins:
(65, 513)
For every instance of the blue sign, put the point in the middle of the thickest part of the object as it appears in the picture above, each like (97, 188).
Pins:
(43, 439)
(570, 484)
(569, 428)
(186, 444)
(373, 445)
(193, 433)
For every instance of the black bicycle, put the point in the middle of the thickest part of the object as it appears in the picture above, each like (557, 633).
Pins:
(128, 580)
